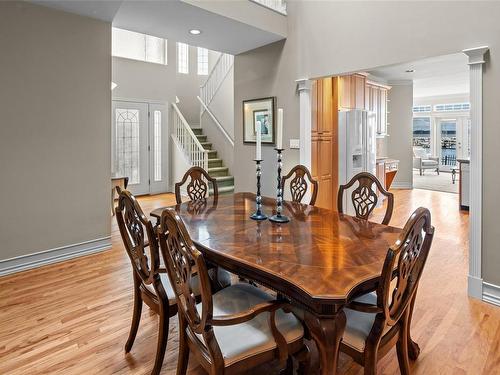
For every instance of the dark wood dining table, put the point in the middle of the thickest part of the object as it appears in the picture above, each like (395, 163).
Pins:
(320, 260)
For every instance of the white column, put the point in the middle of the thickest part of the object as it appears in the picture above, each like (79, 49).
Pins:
(476, 61)
(304, 88)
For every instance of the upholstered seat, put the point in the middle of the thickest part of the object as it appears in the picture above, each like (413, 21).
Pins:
(359, 324)
(428, 163)
(223, 277)
(253, 337)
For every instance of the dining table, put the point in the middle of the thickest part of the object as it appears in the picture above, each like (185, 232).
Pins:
(320, 260)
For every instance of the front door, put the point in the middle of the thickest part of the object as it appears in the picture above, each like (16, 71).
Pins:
(139, 146)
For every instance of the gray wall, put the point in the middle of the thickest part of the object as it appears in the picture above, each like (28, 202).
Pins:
(55, 101)
(148, 81)
(222, 107)
(328, 38)
(399, 142)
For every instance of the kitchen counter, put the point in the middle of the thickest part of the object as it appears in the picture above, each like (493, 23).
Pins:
(387, 168)
(464, 183)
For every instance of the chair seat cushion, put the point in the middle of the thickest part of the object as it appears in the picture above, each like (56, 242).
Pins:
(359, 324)
(429, 163)
(168, 287)
(248, 339)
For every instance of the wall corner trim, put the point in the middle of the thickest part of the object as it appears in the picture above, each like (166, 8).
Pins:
(59, 254)
(476, 60)
(491, 293)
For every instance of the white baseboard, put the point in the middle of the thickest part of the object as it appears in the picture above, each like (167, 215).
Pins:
(475, 287)
(401, 185)
(59, 254)
(491, 293)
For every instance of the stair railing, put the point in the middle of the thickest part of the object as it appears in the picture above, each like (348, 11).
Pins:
(216, 77)
(190, 144)
(216, 121)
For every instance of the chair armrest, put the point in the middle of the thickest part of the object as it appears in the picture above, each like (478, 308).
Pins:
(436, 158)
(364, 307)
(245, 316)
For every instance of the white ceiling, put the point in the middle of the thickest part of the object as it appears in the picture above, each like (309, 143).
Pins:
(172, 19)
(436, 76)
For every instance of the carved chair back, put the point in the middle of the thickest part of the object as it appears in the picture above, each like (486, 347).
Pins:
(197, 188)
(137, 234)
(299, 185)
(364, 198)
(183, 261)
(404, 265)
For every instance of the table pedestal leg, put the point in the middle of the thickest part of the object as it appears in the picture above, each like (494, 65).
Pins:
(327, 333)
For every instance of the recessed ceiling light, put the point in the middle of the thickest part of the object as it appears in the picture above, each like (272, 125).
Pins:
(410, 70)
(195, 32)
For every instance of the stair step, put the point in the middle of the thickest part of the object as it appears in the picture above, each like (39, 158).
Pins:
(206, 145)
(223, 181)
(212, 154)
(214, 163)
(223, 189)
(197, 131)
(201, 137)
(218, 171)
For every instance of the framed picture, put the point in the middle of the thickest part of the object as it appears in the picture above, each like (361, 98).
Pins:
(259, 110)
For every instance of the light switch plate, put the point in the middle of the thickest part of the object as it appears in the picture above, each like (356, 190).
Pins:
(294, 143)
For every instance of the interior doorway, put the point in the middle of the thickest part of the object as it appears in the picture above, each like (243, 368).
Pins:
(139, 145)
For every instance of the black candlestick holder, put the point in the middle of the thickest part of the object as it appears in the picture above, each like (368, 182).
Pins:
(258, 214)
(279, 218)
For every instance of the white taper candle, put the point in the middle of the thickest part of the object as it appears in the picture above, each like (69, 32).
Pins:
(279, 137)
(258, 146)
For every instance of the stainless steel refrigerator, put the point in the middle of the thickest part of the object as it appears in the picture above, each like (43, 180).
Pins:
(357, 147)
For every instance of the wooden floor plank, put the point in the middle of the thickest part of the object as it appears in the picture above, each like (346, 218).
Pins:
(73, 317)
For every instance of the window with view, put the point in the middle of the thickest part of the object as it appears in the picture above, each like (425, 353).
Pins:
(422, 132)
(183, 58)
(202, 61)
(137, 46)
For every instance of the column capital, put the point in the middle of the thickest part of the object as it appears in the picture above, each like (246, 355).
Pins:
(303, 84)
(476, 55)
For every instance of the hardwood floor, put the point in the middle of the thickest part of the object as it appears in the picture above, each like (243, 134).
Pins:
(74, 317)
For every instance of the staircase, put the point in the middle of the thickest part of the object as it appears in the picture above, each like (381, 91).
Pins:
(216, 168)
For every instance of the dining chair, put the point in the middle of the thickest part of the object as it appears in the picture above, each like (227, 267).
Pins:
(377, 321)
(151, 283)
(364, 198)
(299, 185)
(230, 331)
(197, 188)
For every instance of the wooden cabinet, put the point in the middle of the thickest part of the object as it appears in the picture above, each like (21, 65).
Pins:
(376, 102)
(382, 112)
(351, 91)
(324, 150)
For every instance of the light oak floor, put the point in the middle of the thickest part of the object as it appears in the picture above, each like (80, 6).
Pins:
(74, 317)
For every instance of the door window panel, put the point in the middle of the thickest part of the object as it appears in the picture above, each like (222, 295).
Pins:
(157, 145)
(422, 132)
(127, 144)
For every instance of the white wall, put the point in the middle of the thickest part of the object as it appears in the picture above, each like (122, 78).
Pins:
(399, 141)
(328, 38)
(55, 100)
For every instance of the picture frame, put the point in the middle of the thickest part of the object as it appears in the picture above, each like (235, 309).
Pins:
(263, 110)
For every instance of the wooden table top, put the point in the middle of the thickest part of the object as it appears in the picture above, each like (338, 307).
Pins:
(319, 257)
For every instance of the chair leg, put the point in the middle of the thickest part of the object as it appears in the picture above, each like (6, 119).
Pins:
(162, 340)
(304, 359)
(402, 347)
(371, 354)
(288, 370)
(183, 359)
(136, 317)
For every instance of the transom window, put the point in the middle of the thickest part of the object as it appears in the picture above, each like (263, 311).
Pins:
(183, 58)
(422, 108)
(202, 61)
(137, 46)
(452, 107)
